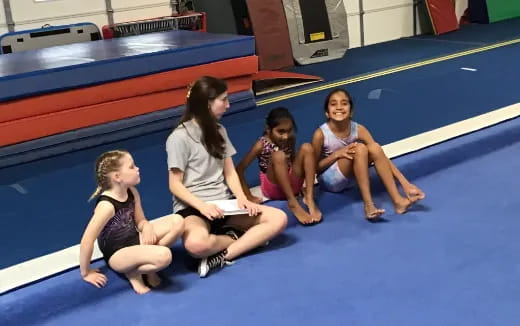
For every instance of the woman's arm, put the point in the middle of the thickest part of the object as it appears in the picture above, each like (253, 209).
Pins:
(232, 179)
(244, 163)
(177, 188)
(180, 191)
(233, 182)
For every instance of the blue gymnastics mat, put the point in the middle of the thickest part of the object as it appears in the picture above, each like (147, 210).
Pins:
(451, 260)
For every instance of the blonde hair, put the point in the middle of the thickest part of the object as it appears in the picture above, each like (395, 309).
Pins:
(106, 163)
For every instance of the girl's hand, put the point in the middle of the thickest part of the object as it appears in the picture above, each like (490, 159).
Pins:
(252, 208)
(346, 152)
(96, 278)
(211, 211)
(148, 236)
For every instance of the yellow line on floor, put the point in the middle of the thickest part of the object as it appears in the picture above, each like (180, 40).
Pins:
(384, 72)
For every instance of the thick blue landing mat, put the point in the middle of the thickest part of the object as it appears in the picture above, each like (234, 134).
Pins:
(77, 65)
(451, 260)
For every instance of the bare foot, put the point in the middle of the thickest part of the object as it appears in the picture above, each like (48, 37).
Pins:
(402, 205)
(314, 211)
(302, 216)
(372, 212)
(413, 193)
(153, 279)
(136, 280)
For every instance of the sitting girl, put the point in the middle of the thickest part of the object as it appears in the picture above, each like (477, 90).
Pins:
(130, 244)
(344, 149)
(282, 173)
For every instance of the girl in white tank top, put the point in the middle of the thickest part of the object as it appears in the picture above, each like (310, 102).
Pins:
(345, 149)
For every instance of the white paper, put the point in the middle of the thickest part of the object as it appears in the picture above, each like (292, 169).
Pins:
(229, 206)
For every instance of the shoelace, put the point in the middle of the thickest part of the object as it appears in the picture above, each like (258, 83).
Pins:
(217, 260)
(232, 235)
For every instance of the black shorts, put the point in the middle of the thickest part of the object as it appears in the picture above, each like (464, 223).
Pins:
(216, 226)
(108, 248)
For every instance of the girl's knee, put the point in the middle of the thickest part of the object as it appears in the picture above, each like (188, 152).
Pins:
(375, 149)
(278, 158)
(307, 149)
(177, 219)
(282, 221)
(361, 148)
(277, 218)
(163, 256)
(361, 151)
(198, 246)
(177, 223)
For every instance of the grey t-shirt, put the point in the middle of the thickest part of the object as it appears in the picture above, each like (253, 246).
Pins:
(203, 173)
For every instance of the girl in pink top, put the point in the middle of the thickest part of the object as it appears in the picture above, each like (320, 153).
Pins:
(282, 172)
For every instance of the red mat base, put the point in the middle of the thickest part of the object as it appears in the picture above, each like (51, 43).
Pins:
(266, 81)
(179, 78)
(34, 127)
(49, 114)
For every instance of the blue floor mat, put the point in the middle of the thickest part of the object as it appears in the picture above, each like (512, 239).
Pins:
(449, 261)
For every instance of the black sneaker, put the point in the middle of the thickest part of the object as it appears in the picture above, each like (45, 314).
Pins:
(233, 233)
(211, 262)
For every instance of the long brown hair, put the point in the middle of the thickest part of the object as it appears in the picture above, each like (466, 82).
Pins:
(106, 163)
(203, 91)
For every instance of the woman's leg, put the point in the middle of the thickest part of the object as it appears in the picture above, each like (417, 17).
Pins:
(259, 229)
(199, 242)
(304, 167)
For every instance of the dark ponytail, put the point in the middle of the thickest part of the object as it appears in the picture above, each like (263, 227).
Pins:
(202, 92)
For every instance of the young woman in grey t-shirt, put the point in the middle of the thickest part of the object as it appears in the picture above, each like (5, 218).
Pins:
(201, 170)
